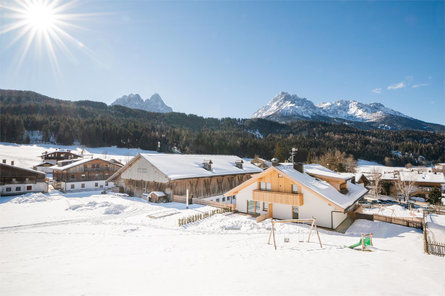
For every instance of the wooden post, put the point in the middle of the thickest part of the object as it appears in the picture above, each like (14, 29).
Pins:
(310, 231)
(273, 233)
(187, 199)
(270, 234)
(319, 240)
(371, 240)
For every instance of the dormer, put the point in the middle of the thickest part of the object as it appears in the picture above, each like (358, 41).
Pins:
(239, 163)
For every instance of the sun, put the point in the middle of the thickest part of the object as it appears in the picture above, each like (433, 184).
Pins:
(42, 26)
(40, 16)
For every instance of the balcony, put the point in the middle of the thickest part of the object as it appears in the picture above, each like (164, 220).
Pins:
(294, 199)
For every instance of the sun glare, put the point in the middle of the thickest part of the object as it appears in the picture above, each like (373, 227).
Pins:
(42, 26)
(40, 16)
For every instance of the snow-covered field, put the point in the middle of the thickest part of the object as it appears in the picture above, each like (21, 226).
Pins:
(29, 155)
(102, 244)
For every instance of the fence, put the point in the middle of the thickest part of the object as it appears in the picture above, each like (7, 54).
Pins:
(214, 204)
(197, 217)
(404, 221)
(435, 248)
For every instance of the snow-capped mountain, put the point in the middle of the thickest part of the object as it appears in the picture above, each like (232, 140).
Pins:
(153, 104)
(287, 108)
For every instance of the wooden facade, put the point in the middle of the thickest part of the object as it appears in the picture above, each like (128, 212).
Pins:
(95, 169)
(198, 187)
(59, 155)
(15, 175)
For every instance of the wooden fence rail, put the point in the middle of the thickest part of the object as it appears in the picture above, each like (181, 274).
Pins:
(435, 248)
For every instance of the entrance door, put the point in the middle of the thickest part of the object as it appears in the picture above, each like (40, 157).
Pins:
(295, 213)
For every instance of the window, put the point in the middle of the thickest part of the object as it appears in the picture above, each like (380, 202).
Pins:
(295, 213)
(265, 206)
(280, 176)
(72, 176)
(217, 200)
(257, 207)
(228, 198)
(29, 187)
(18, 188)
(8, 189)
(223, 199)
(233, 197)
(106, 183)
(85, 166)
(96, 184)
(294, 188)
(83, 185)
(72, 186)
(265, 186)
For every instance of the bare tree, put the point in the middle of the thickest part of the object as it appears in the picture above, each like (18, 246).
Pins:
(405, 188)
(376, 177)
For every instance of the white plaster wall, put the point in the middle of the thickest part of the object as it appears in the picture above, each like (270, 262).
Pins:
(39, 187)
(88, 185)
(144, 170)
(281, 211)
(243, 196)
(315, 206)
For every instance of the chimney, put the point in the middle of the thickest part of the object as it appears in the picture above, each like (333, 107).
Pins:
(4, 160)
(239, 164)
(207, 164)
(12, 162)
(275, 161)
(299, 167)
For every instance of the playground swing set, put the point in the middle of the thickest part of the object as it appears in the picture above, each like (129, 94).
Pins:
(365, 241)
(313, 226)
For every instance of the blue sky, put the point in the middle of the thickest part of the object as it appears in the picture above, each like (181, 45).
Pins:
(227, 59)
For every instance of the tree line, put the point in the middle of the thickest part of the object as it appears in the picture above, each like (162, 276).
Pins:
(95, 124)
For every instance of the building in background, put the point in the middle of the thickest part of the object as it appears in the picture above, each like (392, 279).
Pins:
(85, 174)
(202, 175)
(16, 180)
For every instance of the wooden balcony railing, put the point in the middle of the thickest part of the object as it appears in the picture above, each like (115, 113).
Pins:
(294, 199)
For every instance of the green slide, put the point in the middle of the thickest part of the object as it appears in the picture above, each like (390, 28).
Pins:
(366, 243)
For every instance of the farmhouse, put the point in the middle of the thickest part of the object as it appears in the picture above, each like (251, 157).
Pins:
(287, 191)
(58, 155)
(16, 180)
(202, 175)
(84, 174)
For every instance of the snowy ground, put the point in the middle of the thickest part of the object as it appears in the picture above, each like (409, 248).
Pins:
(93, 244)
(394, 211)
(29, 155)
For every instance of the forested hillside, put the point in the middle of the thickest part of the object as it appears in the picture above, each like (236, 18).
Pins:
(95, 124)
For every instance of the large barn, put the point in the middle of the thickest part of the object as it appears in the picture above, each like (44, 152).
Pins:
(202, 175)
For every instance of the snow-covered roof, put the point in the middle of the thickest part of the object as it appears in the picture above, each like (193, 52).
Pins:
(356, 176)
(316, 169)
(24, 169)
(183, 166)
(324, 188)
(158, 193)
(422, 177)
(80, 162)
(61, 151)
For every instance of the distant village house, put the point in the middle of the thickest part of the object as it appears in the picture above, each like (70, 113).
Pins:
(15, 180)
(84, 174)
